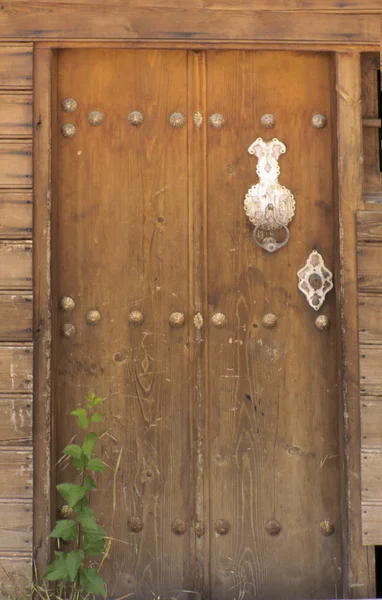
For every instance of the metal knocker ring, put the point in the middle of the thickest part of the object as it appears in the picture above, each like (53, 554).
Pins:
(269, 243)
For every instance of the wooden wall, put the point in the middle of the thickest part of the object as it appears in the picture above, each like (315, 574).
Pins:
(16, 306)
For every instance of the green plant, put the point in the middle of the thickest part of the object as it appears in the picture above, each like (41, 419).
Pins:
(87, 538)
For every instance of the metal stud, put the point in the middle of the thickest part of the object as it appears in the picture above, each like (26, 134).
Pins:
(216, 121)
(65, 512)
(135, 318)
(199, 529)
(198, 321)
(135, 524)
(269, 321)
(319, 121)
(222, 526)
(273, 527)
(219, 320)
(93, 317)
(96, 118)
(268, 121)
(198, 119)
(323, 323)
(68, 130)
(135, 118)
(327, 528)
(177, 119)
(179, 527)
(66, 304)
(69, 105)
(177, 319)
(68, 330)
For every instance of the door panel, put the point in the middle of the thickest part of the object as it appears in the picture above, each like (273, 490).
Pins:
(124, 240)
(272, 392)
(122, 246)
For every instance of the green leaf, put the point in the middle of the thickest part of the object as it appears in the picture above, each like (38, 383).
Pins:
(71, 492)
(95, 464)
(73, 563)
(98, 401)
(82, 417)
(66, 530)
(73, 450)
(88, 444)
(57, 570)
(94, 539)
(96, 417)
(92, 582)
(79, 463)
(89, 484)
(87, 519)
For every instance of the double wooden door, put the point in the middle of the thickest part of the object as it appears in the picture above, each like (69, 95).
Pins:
(229, 480)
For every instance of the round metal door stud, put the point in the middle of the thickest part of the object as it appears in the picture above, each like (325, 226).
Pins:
(68, 330)
(66, 304)
(323, 323)
(319, 121)
(136, 318)
(177, 119)
(135, 118)
(198, 119)
(198, 321)
(199, 529)
(222, 526)
(177, 319)
(68, 130)
(96, 118)
(216, 121)
(69, 105)
(219, 320)
(268, 121)
(273, 527)
(65, 512)
(179, 527)
(93, 317)
(327, 528)
(269, 321)
(135, 524)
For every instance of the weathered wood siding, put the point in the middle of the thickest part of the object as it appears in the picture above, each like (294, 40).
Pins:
(16, 315)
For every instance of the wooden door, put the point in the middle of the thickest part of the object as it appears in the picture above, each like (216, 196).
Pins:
(229, 482)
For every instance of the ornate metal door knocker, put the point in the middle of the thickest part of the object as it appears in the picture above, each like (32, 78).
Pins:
(269, 205)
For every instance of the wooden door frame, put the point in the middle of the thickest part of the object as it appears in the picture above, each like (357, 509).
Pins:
(358, 561)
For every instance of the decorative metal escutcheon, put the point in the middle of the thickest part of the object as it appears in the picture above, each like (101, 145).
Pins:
(315, 280)
(269, 206)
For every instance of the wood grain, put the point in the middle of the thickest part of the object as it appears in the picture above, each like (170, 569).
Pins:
(369, 267)
(15, 368)
(32, 20)
(15, 574)
(16, 525)
(371, 522)
(371, 416)
(370, 371)
(369, 226)
(42, 435)
(369, 73)
(15, 214)
(16, 164)
(370, 318)
(16, 472)
(15, 265)
(15, 115)
(16, 420)
(16, 66)
(16, 316)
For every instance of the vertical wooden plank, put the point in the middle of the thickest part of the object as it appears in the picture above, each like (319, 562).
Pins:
(357, 580)
(42, 311)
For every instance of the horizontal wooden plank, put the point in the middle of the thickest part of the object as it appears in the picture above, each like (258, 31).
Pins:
(16, 66)
(371, 422)
(28, 19)
(370, 318)
(16, 473)
(16, 164)
(15, 574)
(369, 226)
(16, 368)
(369, 266)
(15, 265)
(15, 214)
(16, 317)
(15, 421)
(16, 525)
(15, 115)
(371, 523)
(370, 370)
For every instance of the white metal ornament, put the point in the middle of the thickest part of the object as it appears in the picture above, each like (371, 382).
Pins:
(269, 206)
(315, 280)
